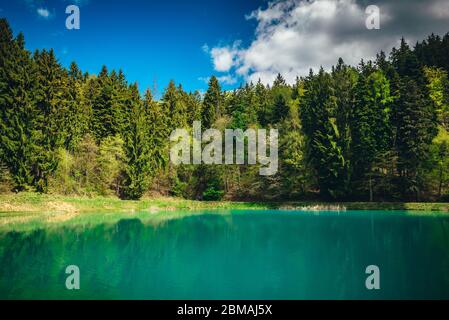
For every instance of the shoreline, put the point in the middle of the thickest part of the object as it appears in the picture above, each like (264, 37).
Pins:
(35, 202)
(30, 211)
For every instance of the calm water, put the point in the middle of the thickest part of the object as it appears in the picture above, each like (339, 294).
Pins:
(237, 255)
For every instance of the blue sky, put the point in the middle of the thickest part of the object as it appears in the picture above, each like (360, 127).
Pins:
(150, 40)
(237, 40)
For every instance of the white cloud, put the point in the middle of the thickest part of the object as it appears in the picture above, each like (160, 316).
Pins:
(43, 12)
(227, 79)
(224, 57)
(293, 36)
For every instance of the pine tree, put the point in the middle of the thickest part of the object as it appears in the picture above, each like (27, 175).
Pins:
(279, 81)
(108, 104)
(373, 126)
(370, 126)
(344, 79)
(445, 52)
(78, 113)
(429, 51)
(18, 136)
(280, 99)
(51, 102)
(293, 171)
(158, 131)
(406, 64)
(137, 149)
(262, 104)
(319, 126)
(212, 104)
(194, 105)
(176, 106)
(120, 93)
(415, 127)
(244, 112)
(280, 104)
(413, 118)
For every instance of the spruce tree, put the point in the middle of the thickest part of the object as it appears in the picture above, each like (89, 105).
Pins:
(108, 104)
(76, 120)
(244, 111)
(293, 171)
(279, 81)
(18, 134)
(212, 103)
(158, 131)
(262, 104)
(51, 102)
(194, 104)
(416, 126)
(319, 126)
(371, 132)
(281, 106)
(344, 80)
(280, 99)
(176, 106)
(136, 149)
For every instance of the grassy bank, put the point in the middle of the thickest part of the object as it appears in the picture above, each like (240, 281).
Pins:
(34, 202)
(31, 210)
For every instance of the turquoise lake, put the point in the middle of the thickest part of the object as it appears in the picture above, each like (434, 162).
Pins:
(233, 255)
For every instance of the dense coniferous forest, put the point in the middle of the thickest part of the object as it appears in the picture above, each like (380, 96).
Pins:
(372, 132)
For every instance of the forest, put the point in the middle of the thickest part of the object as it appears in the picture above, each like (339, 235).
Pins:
(377, 131)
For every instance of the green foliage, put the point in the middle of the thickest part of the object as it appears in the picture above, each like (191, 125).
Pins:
(62, 181)
(211, 194)
(175, 104)
(212, 103)
(76, 120)
(243, 112)
(438, 86)
(370, 126)
(440, 161)
(344, 81)
(293, 169)
(110, 165)
(85, 166)
(178, 187)
(415, 126)
(51, 102)
(194, 107)
(19, 132)
(281, 99)
(368, 132)
(137, 149)
(319, 123)
(157, 130)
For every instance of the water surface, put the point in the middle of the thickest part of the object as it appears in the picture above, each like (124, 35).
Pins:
(233, 255)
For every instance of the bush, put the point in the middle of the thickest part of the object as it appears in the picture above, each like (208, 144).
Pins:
(212, 194)
(178, 188)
